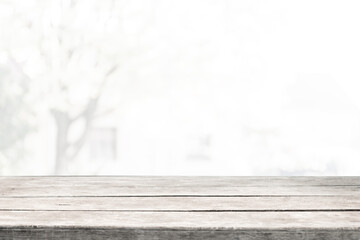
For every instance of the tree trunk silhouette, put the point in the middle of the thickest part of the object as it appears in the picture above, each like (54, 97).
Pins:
(67, 151)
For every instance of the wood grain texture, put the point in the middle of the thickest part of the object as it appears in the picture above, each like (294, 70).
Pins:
(187, 180)
(175, 234)
(178, 186)
(179, 208)
(333, 203)
(180, 220)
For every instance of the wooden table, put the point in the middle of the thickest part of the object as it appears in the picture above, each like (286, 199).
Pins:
(179, 208)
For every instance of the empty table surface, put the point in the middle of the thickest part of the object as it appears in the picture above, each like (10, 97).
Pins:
(144, 207)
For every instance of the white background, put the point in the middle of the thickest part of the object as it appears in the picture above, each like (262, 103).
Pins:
(201, 87)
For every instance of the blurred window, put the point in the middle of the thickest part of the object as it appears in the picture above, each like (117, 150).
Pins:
(102, 144)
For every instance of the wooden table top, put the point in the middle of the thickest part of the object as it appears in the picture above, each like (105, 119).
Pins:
(112, 207)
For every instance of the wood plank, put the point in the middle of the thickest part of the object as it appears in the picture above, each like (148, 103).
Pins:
(182, 220)
(179, 186)
(179, 208)
(176, 234)
(183, 181)
(115, 190)
(345, 203)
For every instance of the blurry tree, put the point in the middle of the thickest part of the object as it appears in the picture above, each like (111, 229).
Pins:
(15, 112)
(70, 50)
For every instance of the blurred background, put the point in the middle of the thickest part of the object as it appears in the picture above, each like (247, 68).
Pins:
(190, 87)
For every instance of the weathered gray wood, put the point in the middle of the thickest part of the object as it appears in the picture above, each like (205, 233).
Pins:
(183, 220)
(179, 208)
(206, 186)
(181, 186)
(175, 234)
(206, 181)
(183, 203)
(118, 190)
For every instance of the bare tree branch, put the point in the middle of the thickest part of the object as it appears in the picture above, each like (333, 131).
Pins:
(104, 113)
(93, 102)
